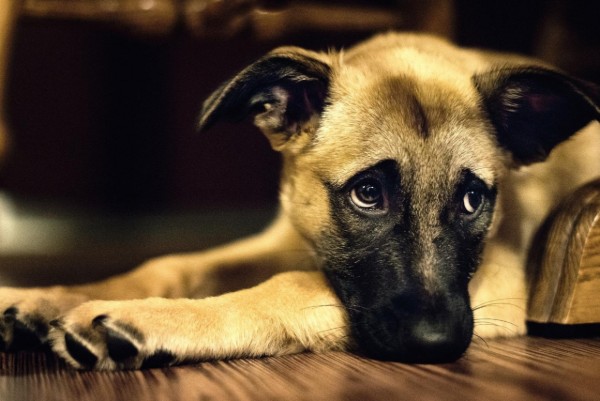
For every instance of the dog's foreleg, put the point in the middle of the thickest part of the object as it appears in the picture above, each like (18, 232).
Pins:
(288, 313)
(241, 264)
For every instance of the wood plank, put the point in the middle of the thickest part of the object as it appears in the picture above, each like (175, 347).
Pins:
(585, 306)
(526, 368)
(565, 267)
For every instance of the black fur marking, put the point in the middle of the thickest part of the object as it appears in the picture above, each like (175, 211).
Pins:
(57, 323)
(11, 313)
(6, 328)
(79, 352)
(376, 264)
(403, 91)
(28, 331)
(39, 324)
(158, 360)
(534, 109)
(119, 347)
(99, 320)
(24, 337)
(467, 232)
(303, 78)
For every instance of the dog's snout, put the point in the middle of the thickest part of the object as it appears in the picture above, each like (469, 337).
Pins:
(435, 341)
(420, 336)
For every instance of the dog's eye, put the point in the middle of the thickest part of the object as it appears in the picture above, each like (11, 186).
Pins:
(472, 201)
(368, 194)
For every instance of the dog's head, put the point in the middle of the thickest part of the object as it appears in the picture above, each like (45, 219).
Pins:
(393, 154)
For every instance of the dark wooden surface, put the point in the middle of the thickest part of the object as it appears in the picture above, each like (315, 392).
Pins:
(526, 368)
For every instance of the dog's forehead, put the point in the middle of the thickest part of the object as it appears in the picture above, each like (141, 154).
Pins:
(429, 123)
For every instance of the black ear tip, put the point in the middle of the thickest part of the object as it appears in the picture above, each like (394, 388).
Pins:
(204, 123)
(294, 70)
(534, 109)
(212, 108)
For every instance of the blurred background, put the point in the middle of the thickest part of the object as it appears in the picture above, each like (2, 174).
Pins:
(101, 165)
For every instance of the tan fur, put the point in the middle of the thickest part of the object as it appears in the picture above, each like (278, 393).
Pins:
(296, 311)
(295, 316)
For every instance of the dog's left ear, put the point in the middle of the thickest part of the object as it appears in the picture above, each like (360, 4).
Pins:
(284, 91)
(534, 109)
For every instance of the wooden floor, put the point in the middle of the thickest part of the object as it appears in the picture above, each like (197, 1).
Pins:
(528, 368)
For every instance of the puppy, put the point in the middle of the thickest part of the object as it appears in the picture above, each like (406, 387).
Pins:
(407, 207)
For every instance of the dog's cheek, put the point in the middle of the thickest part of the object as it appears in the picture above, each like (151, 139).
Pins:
(468, 248)
(304, 200)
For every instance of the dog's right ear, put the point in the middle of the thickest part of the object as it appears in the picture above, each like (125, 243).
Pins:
(285, 92)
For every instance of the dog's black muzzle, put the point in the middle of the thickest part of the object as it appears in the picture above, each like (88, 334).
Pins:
(415, 329)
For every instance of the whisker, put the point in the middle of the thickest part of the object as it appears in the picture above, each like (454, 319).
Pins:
(481, 339)
(334, 328)
(349, 340)
(323, 306)
(489, 324)
(501, 301)
(509, 329)
(490, 320)
(498, 304)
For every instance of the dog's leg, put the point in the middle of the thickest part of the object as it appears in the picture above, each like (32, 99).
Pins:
(238, 265)
(289, 313)
(27, 312)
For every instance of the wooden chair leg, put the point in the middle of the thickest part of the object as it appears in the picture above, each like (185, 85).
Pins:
(564, 267)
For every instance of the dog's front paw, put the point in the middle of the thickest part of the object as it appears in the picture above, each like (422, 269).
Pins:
(25, 315)
(110, 335)
(156, 332)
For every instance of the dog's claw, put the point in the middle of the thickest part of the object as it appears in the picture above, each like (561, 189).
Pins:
(120, 339)
(21, 332)
(4, 340)
(158, 360)
(25, 315)
(56, 323)
(120, 348)
(104, 343)
(6, 329)
(100, 320)
(80, 352)
(11, 313)
(25, 337)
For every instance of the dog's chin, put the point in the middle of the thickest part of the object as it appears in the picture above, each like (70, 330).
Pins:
(428, 340)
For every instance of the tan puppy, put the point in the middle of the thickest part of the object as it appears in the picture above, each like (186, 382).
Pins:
(404, 222)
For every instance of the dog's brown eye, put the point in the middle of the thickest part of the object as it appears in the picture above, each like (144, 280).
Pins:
(367, 194)
(472, 202)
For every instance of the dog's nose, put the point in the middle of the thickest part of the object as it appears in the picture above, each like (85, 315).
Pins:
(434, 341)
(415, 339)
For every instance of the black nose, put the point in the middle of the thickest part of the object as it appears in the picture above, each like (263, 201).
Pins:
(435, 341)
(420, 340)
